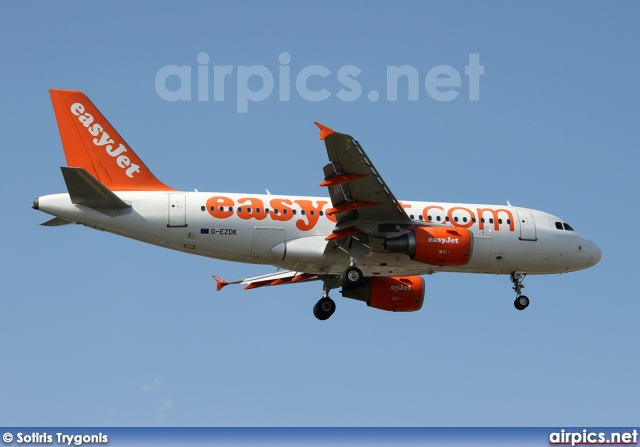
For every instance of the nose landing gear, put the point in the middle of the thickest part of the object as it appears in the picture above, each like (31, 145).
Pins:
(521, 301)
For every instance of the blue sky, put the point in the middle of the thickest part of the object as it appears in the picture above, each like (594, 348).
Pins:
(100, 330)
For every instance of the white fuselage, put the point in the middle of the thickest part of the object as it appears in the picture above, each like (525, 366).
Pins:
(236, 227)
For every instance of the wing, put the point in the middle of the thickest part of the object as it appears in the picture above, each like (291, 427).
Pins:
(359, 195)
(270, 279)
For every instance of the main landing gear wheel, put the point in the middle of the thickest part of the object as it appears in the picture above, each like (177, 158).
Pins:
(324, 308)
(521, 301)
(351, 278)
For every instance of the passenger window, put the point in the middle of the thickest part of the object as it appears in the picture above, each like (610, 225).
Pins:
(249, 210)
(231, 209)
(294, 212)
(429, 218)
(302, 212)
(285, 211)
(239, 209)
(313, 213)
(202, 208)
(568, 227)
(491, 220)
(412, 217)
(482, 220)
(266, 210)
(257, 210)
(500, 221)
(508, 221)
(464, 219)
(275, 211)
(473, 219)
(559, 225)
(438, 218)
(455, 218)
(420, 217)
(322, 213)
(446, 218)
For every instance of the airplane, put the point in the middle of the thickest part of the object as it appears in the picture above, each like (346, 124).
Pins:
(360, 238)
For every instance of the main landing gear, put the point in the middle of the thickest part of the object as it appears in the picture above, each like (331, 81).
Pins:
(351, 278)
(325, 307)
(521, 301)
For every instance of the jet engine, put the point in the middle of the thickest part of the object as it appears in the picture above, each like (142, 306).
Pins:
(443, 246)
(395, 294)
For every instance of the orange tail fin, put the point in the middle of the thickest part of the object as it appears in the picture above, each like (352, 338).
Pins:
(90, 142)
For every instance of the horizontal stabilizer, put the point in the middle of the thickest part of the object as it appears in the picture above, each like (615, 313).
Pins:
(56, 222)
(84, 189)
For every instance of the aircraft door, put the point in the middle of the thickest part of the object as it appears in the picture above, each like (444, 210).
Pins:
(527, 225)
(177, 210)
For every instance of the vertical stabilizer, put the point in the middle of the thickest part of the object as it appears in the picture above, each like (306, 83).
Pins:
(91, 143)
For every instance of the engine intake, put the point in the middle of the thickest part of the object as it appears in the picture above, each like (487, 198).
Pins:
(443, 246)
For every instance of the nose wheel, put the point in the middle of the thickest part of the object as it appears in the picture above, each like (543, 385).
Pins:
(521, 301)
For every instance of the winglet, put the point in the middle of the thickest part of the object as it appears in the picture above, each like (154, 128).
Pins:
(221, 283)
(324, 130)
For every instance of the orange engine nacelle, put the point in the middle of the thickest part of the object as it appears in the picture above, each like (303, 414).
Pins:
(443, 246)
(392, 293)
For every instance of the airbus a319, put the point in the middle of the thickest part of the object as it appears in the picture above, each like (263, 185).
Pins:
(359, 238)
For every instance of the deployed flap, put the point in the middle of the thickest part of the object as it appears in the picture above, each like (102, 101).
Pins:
(85, 190)
(357, 190)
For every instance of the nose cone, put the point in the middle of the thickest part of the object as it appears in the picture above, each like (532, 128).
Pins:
(596, 254)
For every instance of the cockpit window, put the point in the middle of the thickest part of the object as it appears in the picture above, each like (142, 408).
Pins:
(567, 227)
(559, 225)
